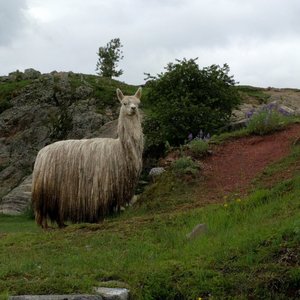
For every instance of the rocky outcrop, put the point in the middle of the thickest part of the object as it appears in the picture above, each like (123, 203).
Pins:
(46, 108)
(285, 101)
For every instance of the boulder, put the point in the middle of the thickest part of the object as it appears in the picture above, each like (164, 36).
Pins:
(197, 231)
(18, 199)
(31, 74)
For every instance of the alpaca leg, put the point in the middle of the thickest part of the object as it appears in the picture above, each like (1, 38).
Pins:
(60, 222)
(39, 220)
(62, 225)
(45, 224)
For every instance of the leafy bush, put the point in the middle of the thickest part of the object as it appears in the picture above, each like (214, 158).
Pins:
(184, 165)
(186, 98)
(264, 122)
(198, 147)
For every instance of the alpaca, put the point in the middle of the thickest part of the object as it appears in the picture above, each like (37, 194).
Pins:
(86, 180)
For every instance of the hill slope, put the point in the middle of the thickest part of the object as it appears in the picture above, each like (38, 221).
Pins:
(249, 251)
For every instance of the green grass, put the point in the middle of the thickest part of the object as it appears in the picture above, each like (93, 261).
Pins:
(256, 128)
(265, 122)
(198, 147)
(250, 249)
(8, 90)
(253, 92)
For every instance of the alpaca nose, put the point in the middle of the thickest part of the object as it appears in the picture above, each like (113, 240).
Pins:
(133, 107)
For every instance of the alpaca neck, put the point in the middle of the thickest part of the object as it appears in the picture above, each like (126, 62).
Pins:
(130, 132)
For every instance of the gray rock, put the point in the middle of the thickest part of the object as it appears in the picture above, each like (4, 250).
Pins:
(156, 171)
(113, 293)
(31, 73)
(18, 200)
(57, 297)
(285, 110)
(82, 92)
(102, 294)
(198, 230)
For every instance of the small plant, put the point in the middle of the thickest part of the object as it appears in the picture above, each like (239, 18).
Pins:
(185, 166)
(264, 122)
(198, 147)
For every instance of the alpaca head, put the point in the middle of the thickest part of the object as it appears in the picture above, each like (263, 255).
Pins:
(130, 104)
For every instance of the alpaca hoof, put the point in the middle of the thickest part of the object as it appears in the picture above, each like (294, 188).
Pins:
(62, 225)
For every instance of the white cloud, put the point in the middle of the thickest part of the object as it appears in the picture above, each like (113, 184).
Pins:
(259, 39)
(12, 19)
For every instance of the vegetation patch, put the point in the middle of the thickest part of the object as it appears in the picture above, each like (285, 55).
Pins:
(248, 93)
(198, 147)
(264, 122)
(9, 90)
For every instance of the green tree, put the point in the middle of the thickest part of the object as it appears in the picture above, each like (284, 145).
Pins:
(109, 56)
(185, 99)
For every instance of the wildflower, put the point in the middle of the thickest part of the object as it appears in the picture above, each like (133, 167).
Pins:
(238, 200)
(200, 134)
(190, 136)
(250, 113)
(206, 137)
(225, 205)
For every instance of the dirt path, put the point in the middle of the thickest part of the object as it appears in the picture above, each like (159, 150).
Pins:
(235, 164)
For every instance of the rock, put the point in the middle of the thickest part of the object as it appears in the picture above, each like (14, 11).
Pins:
(31, 74)
(287, 111)
(57, 297)
(17, 200)
(82, 92)
(109, 130)
(237, 125)
(103, 293)
(134, 200)
(4, 78)
(16, 75)
(156, 171)
(113, 293)
(241, 113)
(198, 230)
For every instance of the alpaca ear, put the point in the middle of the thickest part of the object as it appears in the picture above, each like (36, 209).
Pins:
(120, 95)
(138, 93)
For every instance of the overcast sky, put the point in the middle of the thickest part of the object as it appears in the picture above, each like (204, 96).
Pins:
(259, 39)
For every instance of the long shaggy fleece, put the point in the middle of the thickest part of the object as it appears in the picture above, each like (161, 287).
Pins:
(85, 180)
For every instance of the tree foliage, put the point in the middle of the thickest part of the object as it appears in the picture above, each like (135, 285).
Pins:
(185, 99)
(109, 56)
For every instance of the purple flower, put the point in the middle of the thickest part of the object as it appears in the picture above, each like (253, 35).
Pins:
(200, 134)
(190, 136)
(250, 113)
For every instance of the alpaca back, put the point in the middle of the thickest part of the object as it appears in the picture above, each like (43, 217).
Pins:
(82, 180)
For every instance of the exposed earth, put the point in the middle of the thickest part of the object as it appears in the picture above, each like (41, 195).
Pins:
(235, 164)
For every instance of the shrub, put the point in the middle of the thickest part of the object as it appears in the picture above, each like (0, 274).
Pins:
(198, 147)
(186, 98)
(184, 165)
(264, 122)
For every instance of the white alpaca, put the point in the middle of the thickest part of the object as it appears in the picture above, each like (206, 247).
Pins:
(85, 180)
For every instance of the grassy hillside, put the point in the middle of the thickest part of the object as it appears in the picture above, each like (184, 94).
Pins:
(250, 250)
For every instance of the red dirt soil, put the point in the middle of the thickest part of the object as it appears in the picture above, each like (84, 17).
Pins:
(233, 165)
